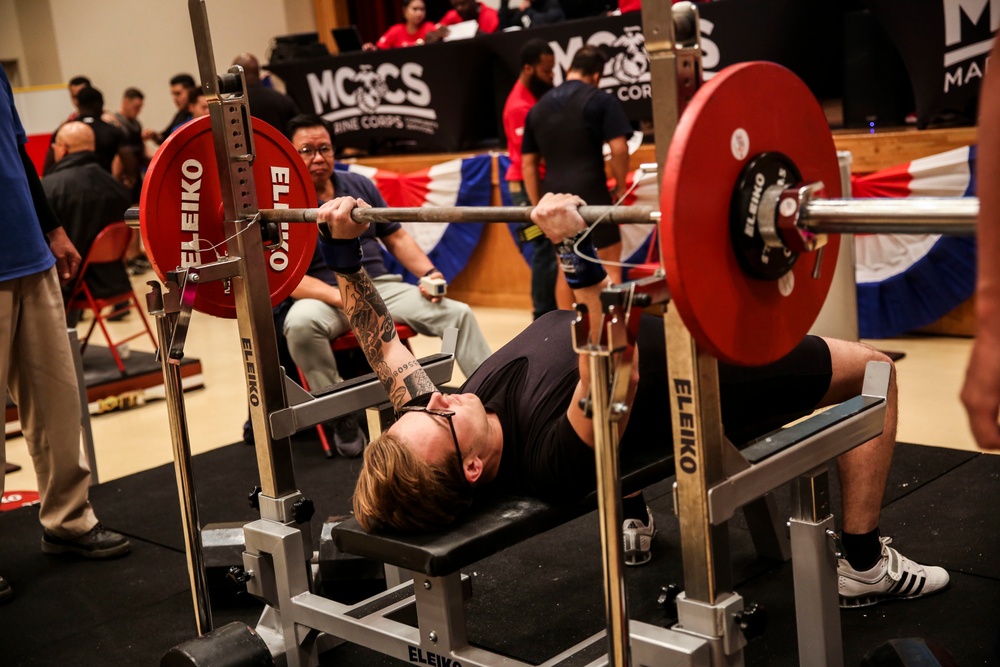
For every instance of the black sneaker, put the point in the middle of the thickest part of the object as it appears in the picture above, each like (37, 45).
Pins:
(119, 311)
(6, 592)
(348, 438)
(98, 543)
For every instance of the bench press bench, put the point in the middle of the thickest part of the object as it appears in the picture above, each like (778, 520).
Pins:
(491, 525)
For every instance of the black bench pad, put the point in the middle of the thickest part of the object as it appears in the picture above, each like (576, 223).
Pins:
(490, 526)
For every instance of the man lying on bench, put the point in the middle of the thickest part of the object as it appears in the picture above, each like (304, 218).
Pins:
(519, 426)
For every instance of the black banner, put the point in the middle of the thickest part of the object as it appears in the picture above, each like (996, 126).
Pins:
(426, 99)
(945, 46)
(448, 97)
(789, 32)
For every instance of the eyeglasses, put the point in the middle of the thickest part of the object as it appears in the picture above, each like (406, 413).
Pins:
(449, 416)
(307, 152)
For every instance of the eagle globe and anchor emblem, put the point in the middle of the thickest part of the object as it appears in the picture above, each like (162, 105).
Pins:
(371, 89)
(632, 63)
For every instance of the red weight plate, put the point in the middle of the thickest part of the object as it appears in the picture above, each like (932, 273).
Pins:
(745, 110)
(180, 210)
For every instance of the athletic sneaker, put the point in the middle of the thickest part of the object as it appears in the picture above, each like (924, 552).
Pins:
(638, 539)
(893, 577)
(348, 438)
(97, 543)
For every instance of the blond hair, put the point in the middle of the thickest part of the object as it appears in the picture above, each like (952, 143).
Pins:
(398, 490)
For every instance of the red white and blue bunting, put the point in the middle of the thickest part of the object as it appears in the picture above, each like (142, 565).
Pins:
(909, 281)
(636, 239)
(461, 182)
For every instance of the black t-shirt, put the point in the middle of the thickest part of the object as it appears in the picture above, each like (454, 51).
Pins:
(567, 127)
(529, 384)
(108, 139)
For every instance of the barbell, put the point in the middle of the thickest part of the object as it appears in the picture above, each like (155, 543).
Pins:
(749, 212)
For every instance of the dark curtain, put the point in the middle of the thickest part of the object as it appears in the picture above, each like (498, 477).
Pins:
(373, 17)
(436, 9)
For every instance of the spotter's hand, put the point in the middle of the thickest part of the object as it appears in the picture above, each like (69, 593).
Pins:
(335, 218)
(558, 217)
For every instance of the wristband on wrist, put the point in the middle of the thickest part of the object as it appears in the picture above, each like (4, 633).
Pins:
(579, 272)
(342, 255)
(430, 271)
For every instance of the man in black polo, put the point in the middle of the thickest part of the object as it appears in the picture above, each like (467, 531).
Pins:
(567, 129)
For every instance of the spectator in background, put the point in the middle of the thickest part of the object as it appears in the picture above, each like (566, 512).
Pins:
(74, 86)
(179, 87)
(127, 120)
(567, 129)
(86, 199)
(411, 32)
(537, 73)
(108, 138)
(466, 10)
(197, 104)
(528, 13)
(272, 107)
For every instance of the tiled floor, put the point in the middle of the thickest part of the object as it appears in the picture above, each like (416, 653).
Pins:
(126, 442)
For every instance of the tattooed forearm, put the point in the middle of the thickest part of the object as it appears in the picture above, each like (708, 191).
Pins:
(373, 326)
(418, 384)
(375, 330)
(402, 369)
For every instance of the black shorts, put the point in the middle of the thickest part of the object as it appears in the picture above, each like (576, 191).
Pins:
(755, 400)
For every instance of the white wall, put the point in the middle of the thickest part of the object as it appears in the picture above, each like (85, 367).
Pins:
(10, 36)
(142, 43)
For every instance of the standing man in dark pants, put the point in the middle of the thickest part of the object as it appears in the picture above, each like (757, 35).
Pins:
(537, 71)
(566, 130)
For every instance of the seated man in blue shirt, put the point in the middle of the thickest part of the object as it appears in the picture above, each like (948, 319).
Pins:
(316, 315)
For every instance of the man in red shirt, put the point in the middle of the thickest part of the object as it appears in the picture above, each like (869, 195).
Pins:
(537, 73)
(470, 10)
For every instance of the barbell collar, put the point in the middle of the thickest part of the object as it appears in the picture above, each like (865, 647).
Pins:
(954, 216)
(132, 218)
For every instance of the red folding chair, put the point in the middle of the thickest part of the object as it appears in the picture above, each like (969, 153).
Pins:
(108, 248)
(344, 343)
